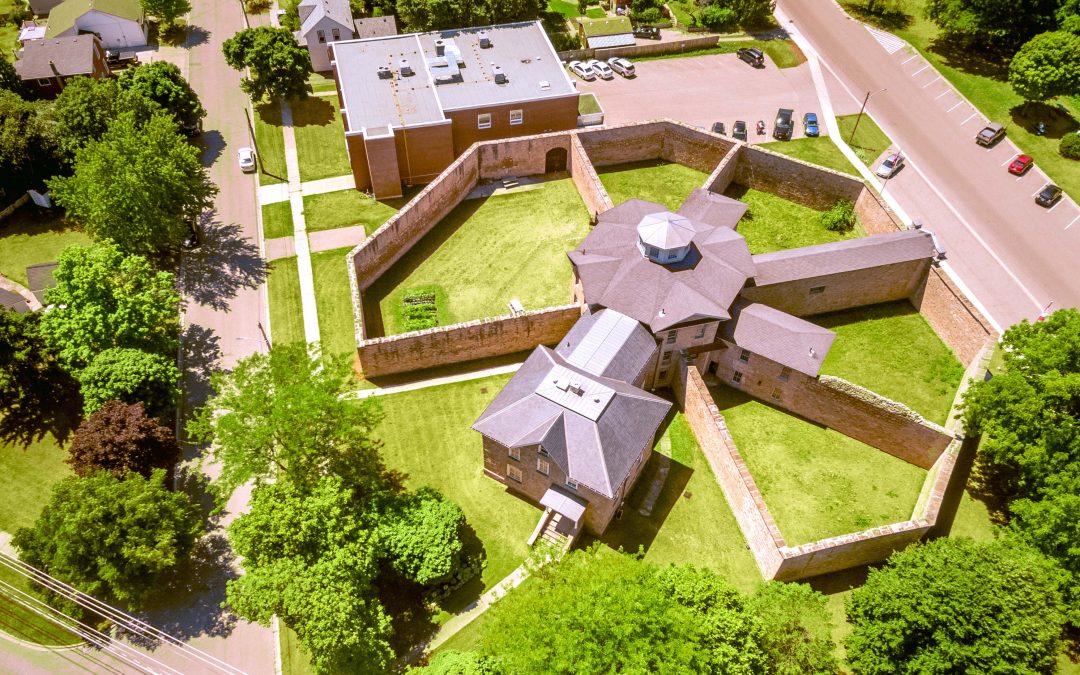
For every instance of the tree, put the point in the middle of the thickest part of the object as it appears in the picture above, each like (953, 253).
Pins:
(120, 438)
(1070, 146)
(462, 663)
(281, 414)
(998, 25)
(162, 83)
(752, 13)
(1068, 16)
(87, 105)
(1047, 66)
(279, 66)
(957, 606)
(310, 561)
(423, 536)
(139, 185)
(796, 629)
(9, 78)
(131, 376)
(32, 383)
(105, 299)
(111, 538)
(27, 144)
(166, 10)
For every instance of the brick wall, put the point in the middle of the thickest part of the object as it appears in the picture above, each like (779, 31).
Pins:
(848, 550)
(662, 139)
(538, 117)
(520, 156)
(724, 173)
(467, 341)
(875, 216)
(654, 48)
(793, 179)
(423, 152)
(952, 316)
(588, 183)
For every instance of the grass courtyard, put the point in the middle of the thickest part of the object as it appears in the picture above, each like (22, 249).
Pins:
(346, 208)
(486, 252)
(333, 300)
(773, 223)
(890, 349)
(653, 180)
(286, 312)
(817, 482)
(320, 138)
(820, 150)
(26, 239)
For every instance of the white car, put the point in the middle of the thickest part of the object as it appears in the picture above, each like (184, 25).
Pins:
(246, 158)
(621, 66)
(890, 166)
(602, 70)
(582, 70)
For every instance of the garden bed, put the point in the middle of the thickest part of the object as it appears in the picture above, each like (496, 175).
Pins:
(653, 180)
(773, 223)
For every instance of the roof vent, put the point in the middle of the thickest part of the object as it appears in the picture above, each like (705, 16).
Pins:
(500, 76)
(440, 48)
(544, 84)
(384, 73)
(485, 41)
(575, 388)
(406, 69)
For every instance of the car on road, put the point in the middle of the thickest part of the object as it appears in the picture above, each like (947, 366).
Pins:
(601, 69)
(890, 166)
(810, 124)
(1021, 164)
(718, 128)
(752, 55)
(621, 66)
(647, 32)
(990, 134)
(1048, 196)
(739, 130)
(582, 70)
(246, 158)
(784, 126)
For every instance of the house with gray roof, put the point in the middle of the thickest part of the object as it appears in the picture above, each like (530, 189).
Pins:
(321, 23)
(375, 26)
(45, 65)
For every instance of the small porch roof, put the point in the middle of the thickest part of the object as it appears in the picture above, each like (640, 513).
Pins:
(563, 504)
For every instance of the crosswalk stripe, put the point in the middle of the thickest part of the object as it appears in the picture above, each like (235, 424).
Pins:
(890, 42)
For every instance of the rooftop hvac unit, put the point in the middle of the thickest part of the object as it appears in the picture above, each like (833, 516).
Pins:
(440, 48)
(384, 73)
(485, 41)
(406, 69)
(500, 76)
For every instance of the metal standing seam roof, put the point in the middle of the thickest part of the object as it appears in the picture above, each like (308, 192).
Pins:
(337, 11)
(843, 256)
(64, 16)
(71, 54)
(606, 41)
(609, 344)
(564, 504)
(779, 336)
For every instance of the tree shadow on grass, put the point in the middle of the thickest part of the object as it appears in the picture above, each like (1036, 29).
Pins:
(54, 408)
(314, 111)
(223, 265)
(1058, 121)
(973, 61)
(410, 615)
(884, 310)
(891, 20)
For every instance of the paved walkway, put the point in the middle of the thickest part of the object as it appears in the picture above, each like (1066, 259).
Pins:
(435, 381)
(279, 192)
(300, 240)
(459, 621)
(14, 287)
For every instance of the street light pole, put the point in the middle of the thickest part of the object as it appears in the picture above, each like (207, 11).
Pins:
(859, 118)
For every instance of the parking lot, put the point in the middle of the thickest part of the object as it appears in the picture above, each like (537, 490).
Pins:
(701, 90)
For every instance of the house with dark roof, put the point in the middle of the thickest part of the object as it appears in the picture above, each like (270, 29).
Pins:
(44, 65)
(120, 24)
(323, 22)
(375, 26)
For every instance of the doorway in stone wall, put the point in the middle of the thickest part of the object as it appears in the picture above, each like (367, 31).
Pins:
(555, 160)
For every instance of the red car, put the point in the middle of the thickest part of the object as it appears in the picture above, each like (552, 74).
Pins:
(1020, 165)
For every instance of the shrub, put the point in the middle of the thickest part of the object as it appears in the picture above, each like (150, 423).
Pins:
(717, 18)
(131, 376)
(650, 16)
(1070, 146)
(840, 218)
(256, 6)
(582, 6)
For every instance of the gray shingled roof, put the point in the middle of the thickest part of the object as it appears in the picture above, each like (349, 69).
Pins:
(615, 274)
(597, 445)
(779, 336)
(72, 55)
(10, 300)
(336, 10)
(608, 344)
(843, 256)
(713, 209)
(375, 26)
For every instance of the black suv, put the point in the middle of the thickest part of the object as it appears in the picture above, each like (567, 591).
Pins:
(647, 32)
(784, 126)
(739, 130)
(753, 56)
(1049, 195)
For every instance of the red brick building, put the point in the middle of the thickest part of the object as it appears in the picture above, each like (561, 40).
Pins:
(412, 103)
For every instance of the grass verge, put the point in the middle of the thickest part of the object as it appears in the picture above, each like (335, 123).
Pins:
(277, 220)
(25, 624)
(869, 141)
(773, 223)
(333, 298)
(346, 208)
(286, 309)
(653, 180)
(821, 151)
(321, 83)
(270, 144)
(587, 104)
(320, 138)
(784, 53)
(27, 239)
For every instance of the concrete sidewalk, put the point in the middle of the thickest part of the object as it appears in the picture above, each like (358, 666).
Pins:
(280, 192)
(300, 241)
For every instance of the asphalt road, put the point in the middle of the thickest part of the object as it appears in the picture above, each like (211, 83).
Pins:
(1014, 255)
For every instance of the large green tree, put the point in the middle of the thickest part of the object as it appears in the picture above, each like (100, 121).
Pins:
(796, 629)
(132, 376)
(311, 561)
(423, 536)
(281, 415)
(104, 299)
(139, 185)
(112, 538)
(27, 144)
(279, 67)
(1047, 66)
(164, 84)
(32, 383)
(87, 105)
(166, 10)
(9, 78)
(957, 606)
(999, 25)
(446, 14)
(119, 438)
(450, 662)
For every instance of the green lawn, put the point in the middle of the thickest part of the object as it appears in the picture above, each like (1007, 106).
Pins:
(682, 9)
(690, 521)
(821, 151)
(294, 660)
(270, 144)
(334, 301)
(773, 223)
(564, 7)
(286, 312)
(26, 240)
(488, 251)
(321, 83)
(784, 53)
(587, 104)
(22, 623)
(277, 220)
(332, 210)
(869, 142)
(653, 180)
(891, 350)
(817, 482)
(320, 138)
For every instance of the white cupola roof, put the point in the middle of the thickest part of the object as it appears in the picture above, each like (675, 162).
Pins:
(665, 237)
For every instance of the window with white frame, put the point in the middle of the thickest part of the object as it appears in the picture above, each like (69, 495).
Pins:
(44, 82)
(517, 117)
(543, 466)
(322, 37)
(736, 377)
(672, 334)
(571, 483)
(515, 453)
(744, 356)
(336, 33)
(483, 121)
(700, 332)
(513, 473)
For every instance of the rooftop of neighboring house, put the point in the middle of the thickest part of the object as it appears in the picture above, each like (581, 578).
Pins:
(63, 16)
(71, 55)
(375, 26)
(313, 11)
(412, 79)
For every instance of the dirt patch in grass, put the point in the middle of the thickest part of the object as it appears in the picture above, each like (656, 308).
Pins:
(653, 180)
(773, 223)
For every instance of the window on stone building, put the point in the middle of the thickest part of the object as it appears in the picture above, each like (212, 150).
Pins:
(513, 473)
(785, 374)
(665, 357)
(515, 453)
(483, 121)
(744, 356)
(817, 290)
(776, 394)
(543, 466)
(517, 117)
(543, 451)
(700, 332)
(571, 483)
(322, 37)
(736, 377)
(672, 334)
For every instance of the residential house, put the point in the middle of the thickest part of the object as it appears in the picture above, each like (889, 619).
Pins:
(375, 26)
(121, 24)
(323, 22)
(44, 65)
(614, 31)
(43, 7)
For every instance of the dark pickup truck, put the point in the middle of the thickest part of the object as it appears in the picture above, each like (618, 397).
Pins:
(784, 125)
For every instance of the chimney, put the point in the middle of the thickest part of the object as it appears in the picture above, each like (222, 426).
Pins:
(406, 69)
(500, 76)
(56, 74)
(485, 41)
(440, 48)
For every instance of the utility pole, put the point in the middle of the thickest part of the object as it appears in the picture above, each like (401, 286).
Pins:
(859, 118)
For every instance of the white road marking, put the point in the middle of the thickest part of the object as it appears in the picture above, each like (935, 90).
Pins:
(920, 70)
(1071, 222)
(889, 42)
(1006, 161)
(974, 114)
(914, 56)
(942, 94)
(931, 82)
(958, 104)
(1059, 203)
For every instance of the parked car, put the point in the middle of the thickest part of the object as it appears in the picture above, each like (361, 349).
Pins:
(582, 70)
(1021, 164)
(621, 66)
(647, 32)
(718, 128)
(246, 158)
(1048, 196)
(783, 127)
(753, 56)
(990, 134)
(191, 130)
(601, 69)
(739, 130)
(810, 125)
(890, 166)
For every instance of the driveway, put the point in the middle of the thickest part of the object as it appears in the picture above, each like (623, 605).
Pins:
(701, 90)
